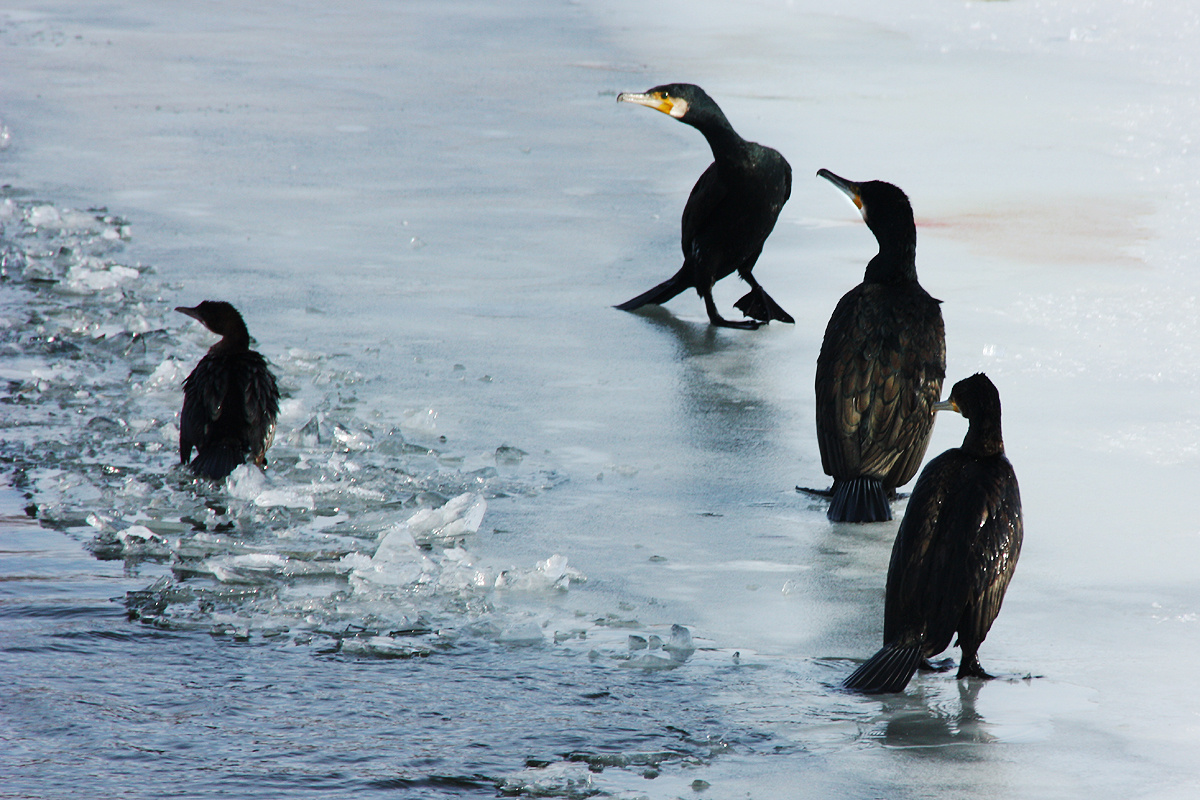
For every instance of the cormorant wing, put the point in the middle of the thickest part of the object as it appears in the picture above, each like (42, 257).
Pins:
(922, 339)
(706, 197)
(261, 403)
(877, 349)
(994, 550)
(845, 380)
(203, 397)
(925, 589)
(950, 555)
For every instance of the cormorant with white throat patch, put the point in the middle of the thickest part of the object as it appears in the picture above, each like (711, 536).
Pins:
(730, 212)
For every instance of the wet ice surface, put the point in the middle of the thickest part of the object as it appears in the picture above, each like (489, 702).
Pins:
(349, 507)
(510, 539)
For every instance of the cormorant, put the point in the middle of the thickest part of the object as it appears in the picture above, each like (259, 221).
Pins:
(881, 365)
(955, 551)
(730, 212)
(230, 400)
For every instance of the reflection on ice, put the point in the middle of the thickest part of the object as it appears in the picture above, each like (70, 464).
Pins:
(942, 711)
(932, 718)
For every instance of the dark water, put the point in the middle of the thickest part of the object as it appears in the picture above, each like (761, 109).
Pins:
(128, 711)
(116, 709)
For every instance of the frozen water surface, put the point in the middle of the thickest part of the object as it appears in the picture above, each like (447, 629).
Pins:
(511, 540)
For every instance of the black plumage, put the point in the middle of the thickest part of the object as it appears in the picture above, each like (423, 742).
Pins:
(730, 212)
(881, 365)
(230, 400)
(955, 551)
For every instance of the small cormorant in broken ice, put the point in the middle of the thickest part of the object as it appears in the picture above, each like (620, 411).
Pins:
(730, 212)
(230, 401)
(881, 365)
(955, 551)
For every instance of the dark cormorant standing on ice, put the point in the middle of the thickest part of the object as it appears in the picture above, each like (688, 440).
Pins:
(955, 551)
(230, 400)
(881, 365)
(730, 212)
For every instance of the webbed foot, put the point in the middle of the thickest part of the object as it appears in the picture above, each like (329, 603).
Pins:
(757, 304)
(716, 319)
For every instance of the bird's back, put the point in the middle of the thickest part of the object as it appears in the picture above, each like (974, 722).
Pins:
(879, 373)
(732, 210)
(955, 551)
(230, 403)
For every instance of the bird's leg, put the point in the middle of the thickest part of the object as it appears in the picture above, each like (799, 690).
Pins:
(716, 319)
(970, 667)
(749, 278)
(759, 305)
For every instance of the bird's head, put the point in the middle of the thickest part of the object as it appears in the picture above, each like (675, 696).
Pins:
(218, 316)
(974, 397)
(889, 215)
(881, 204)
(677, 99)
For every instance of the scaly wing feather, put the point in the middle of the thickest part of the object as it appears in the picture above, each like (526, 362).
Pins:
(203, 398)
(879, 374)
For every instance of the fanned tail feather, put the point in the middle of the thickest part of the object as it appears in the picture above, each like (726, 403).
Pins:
(861, 499)
(886, 672)
(759, 305)
(658, 295)
(217, 460)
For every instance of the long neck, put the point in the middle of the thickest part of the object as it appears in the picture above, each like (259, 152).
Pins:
(721, 136)
(984, 438)
(897, 258)
(236, 341)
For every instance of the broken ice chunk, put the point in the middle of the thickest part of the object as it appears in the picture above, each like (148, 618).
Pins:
(307, 436)
(168, 375)
(525, 633)
(383, 647)
(553, 573)
(450, 524)
(397, 562)
(248, 482)
(352, 440)
(82, 280)
(680, 645)
(140, 534)
(506, 455)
